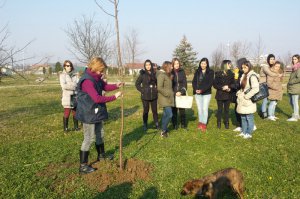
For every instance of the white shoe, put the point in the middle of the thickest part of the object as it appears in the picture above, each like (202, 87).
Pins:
(292, 119)
(271, 118)
(254, 128)
(276, 118)
(240, 135)
(247, 136)
(238, 129)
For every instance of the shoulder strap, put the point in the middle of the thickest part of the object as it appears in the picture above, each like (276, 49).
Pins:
(250, 79)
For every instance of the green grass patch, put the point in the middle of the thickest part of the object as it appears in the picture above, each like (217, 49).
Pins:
(32, 140)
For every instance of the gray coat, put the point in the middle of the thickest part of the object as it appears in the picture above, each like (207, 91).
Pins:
(293, 86)
(68, 83)
(164, 88)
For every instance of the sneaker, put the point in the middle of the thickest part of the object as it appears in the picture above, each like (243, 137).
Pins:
(238, 129)
(163, 134)
(276, 118)
(271, 118)
(247, 136)
(254, 128)
(240, 135)
(292, 119)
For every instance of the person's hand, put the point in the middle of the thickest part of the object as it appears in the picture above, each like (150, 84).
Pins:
(119, 84)
(280, 75)
(225, 87)
(178, 94)
(118, 94)
(198, 91)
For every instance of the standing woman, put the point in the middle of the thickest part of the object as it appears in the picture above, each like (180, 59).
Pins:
(265, 71)
(179, 88)
(222, 82)
(202, 83)
(293, 88)
(68, 82)
(91, 109)
(146, 83)
(275, 90)
(245, 106)
(165, 95)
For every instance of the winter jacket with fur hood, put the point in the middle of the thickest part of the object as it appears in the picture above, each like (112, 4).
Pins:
(146, 83)
(244, 103)
(68, 83)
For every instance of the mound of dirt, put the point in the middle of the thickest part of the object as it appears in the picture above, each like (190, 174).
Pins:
(108, 173)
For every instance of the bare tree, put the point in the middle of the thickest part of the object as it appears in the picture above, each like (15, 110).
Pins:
(8, 53)
(131, 50)
(89, 39)
(258, 52)
(239, 49)
(218, 56)
(115, 16)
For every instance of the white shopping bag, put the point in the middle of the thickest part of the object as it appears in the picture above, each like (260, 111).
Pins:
(184, 101)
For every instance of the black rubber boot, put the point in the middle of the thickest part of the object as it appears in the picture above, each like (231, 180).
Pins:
(100, 151)
(84, 167)
(75, 121)
(66, 122)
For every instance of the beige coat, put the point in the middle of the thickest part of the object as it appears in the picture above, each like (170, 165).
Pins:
(244, 103)
(265, 73)
(68, 85)
(275, 88)
(164, 88)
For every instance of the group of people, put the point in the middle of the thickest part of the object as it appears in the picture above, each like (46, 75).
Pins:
(83, 96)
(233, 85)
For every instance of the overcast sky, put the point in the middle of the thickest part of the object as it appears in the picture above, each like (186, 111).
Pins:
(160, 24)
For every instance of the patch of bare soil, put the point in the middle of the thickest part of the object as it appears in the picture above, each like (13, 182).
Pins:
(107, 174)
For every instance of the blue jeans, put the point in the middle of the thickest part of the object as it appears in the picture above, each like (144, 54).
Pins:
(295, 106)
(166, 117)
(202, 102)
(272, 107)
(264, 105)
(247, 123)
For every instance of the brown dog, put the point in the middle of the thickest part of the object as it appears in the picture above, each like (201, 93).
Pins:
(210, 185)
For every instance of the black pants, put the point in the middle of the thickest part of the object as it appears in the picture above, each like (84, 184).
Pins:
(237, 116)
(146, 104)
(223, 105)
(182, 116)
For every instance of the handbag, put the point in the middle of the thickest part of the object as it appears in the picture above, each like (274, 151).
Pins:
(262, 93)
(184, 101)
(73, 103)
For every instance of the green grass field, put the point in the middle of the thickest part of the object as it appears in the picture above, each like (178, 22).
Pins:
(32, 140)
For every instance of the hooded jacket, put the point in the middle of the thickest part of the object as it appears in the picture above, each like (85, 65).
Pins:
(165, 91)
(244, 103)
(222, 79)
(68, 83)
(146, 83)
